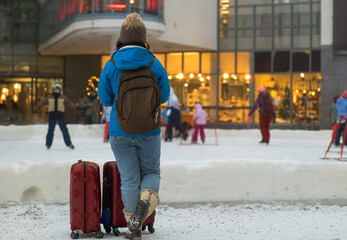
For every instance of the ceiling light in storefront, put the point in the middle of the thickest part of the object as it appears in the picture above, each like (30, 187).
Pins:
(313, 93)
(304, 91)
(208, 77)
(186, 84)
(203, 84)
(132, 1)
(302, 75)
(201, 79)
(297, 91)
(233, 76)
(225, 75)
(180, 76)
(169, 77)
(247, 76)
(191, 75)
(318, 89)
(199, 75)
(4, 90)
(16, 86)
(15, 98)
(3, 97)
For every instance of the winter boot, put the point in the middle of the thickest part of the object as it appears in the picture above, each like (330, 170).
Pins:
(139, 216)
(129, 234)
(144, 208)
(153, 199)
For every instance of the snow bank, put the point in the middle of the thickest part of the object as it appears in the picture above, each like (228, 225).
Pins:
(238, 169)
(215, 181)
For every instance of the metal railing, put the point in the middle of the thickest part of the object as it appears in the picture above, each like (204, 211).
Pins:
(56, 14)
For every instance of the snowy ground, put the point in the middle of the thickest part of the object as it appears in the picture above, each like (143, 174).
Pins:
(237, 189)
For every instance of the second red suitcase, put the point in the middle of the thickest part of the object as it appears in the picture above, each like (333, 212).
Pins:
(112, 204)
(85, 199)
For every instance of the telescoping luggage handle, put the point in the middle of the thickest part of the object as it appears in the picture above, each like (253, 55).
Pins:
(106, 213)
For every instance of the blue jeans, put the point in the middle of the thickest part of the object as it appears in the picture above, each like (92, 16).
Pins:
(340, 132)
(174, 120)
(63, 128)
(138, 161)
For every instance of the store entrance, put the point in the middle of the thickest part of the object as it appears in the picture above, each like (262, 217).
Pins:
(18, 98)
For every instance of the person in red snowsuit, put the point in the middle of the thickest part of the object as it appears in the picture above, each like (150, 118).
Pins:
(266, 114)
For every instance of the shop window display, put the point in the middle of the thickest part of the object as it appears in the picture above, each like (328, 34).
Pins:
(234, 97)
(278, 86)
(306, 97)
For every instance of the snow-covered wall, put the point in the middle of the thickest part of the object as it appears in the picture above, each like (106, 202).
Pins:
(237, 169)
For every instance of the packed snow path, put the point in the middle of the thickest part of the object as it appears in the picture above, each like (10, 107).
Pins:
(192, 222)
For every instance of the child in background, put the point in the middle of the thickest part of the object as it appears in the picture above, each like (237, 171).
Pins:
(200, 122)
(166, 114)
(106, 118)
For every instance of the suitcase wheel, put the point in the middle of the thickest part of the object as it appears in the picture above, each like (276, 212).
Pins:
(99, 234)
(107, 228)
(151, 228)
(74, 235)
(116, 232)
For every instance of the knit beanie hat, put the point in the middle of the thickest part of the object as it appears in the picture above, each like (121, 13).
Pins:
(344, 94)
(56, 85)
(133, 30)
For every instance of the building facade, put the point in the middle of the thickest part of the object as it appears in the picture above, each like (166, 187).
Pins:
(215, 52)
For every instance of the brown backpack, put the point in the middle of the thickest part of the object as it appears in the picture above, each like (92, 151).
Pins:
(138, 101)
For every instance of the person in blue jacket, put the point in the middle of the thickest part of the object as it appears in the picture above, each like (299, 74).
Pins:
(341, 106)
(137, 155)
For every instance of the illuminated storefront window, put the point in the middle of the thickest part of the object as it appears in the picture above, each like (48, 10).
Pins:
(234, 86)
(19, 95)
(278, 86)
(193, 77)
(306, 97)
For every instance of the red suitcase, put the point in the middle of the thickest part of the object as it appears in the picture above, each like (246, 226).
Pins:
(112, 204)
(85, 199)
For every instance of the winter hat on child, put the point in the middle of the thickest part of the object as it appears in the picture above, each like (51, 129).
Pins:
(56, 85)
(344, 94)
(262, 89)
(133, 30)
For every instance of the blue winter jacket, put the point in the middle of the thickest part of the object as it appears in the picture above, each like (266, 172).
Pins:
(341, 106)
(128, 58)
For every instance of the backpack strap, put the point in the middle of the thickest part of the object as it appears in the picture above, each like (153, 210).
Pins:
(150, 65)
(112, 61)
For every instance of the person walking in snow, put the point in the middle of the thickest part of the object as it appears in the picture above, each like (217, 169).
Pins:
(56, 108)
(174, 114)
(138, 155)
(106, 114)
(91, 105)
(332, 114)
(341, 106)
(266, 114)
(200, 116)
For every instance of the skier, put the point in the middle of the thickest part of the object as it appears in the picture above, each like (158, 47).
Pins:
(266, 113)
(200, 122)
(138, 155)
(56, 108)
(341, 106)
